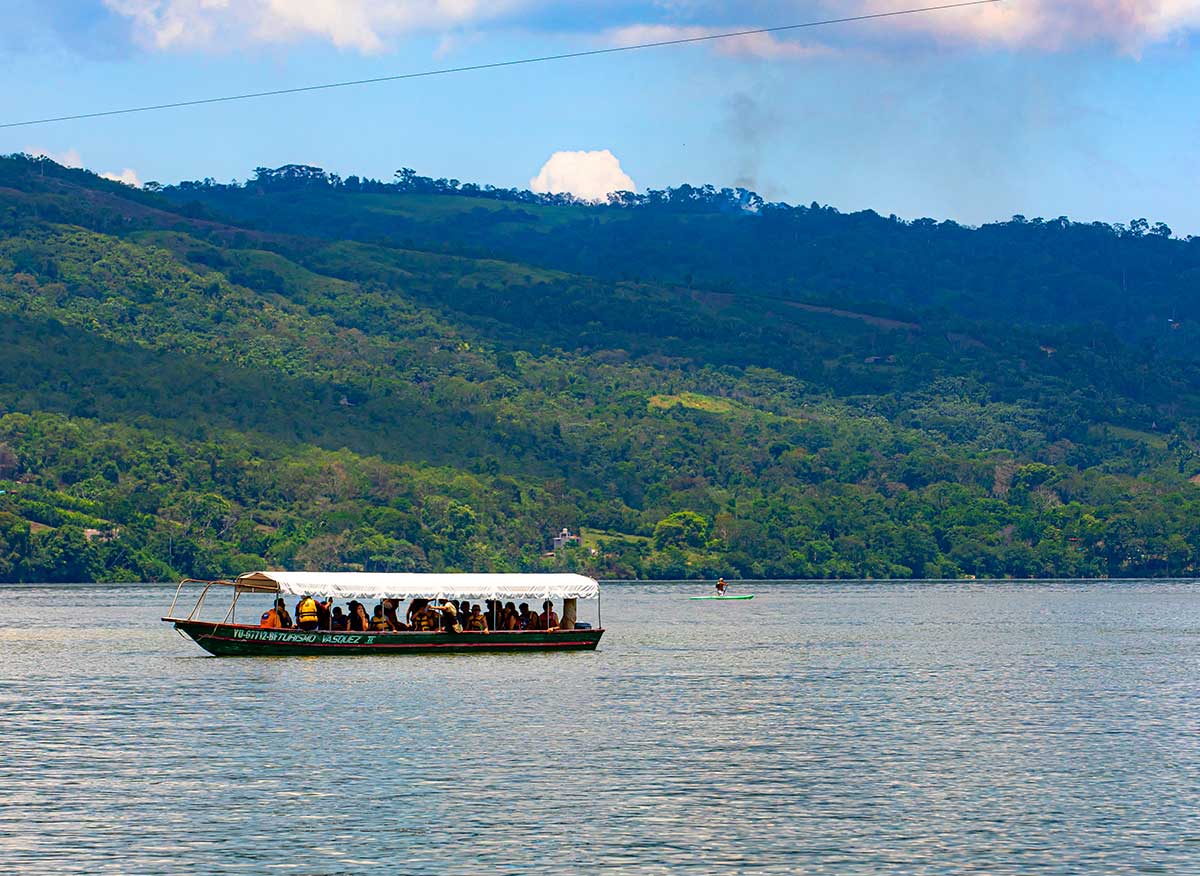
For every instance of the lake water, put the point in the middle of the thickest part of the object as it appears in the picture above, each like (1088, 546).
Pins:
(972, 727)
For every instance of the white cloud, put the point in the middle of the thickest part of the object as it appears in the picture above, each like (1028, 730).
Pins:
(67, 158)
(1044, 25)
(127, 176)
(754, 45)
(589, 175)
(362, 25)
(1055, 24)
(72, 158)
(369, 25)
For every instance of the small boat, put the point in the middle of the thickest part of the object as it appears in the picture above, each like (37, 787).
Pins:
(743, 596)
(228, 638)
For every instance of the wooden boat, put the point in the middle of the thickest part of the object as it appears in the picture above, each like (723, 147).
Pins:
(228, 638)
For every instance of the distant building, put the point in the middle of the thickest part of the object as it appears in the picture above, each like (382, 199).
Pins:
(565, 539)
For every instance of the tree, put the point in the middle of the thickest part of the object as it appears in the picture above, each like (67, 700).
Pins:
(14, 546)
(681, 529)
(63, 555)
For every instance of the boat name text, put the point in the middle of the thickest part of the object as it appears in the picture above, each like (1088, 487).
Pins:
(286, 636)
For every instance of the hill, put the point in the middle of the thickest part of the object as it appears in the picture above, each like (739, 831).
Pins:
(305, 370)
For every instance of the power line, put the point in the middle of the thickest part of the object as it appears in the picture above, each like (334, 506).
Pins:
(493, 65)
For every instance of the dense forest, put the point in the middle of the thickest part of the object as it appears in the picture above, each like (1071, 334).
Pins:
(314, 372)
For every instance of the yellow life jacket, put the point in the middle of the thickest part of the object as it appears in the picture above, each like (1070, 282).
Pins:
(477, 624)
(306, 611)
(422, 623)
(380, 624)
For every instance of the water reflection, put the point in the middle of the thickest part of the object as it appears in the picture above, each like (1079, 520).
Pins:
(911, 728)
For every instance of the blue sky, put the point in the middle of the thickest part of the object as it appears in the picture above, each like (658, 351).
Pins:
(1084, 108)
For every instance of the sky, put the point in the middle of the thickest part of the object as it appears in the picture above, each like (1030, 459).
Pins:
(1082, 108)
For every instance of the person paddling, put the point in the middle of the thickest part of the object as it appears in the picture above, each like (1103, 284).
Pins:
(721, 587)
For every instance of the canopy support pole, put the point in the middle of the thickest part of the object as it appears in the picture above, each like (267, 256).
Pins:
(229, 617)
(171, 610)
(200, 602)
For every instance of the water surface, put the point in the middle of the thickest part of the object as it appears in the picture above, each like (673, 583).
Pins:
(978, 727)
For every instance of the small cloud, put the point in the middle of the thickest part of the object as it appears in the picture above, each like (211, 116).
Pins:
(751, 45)
(72, 158)
(359, 25)
(127, 176)
(67, 158)
(589, 175)
(453, 43)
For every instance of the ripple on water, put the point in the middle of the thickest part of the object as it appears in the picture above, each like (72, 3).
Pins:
(837, 728)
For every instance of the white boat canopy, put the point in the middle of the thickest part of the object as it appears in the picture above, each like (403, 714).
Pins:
(409, 585)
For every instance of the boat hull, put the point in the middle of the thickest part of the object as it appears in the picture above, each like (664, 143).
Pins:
(237, 640)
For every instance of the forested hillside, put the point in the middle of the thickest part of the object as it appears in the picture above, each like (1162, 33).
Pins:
(310, 371)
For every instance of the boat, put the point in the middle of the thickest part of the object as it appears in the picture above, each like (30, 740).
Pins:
(228, 638)
(741, 596)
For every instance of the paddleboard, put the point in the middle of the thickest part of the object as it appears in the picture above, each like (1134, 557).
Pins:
(747, 596)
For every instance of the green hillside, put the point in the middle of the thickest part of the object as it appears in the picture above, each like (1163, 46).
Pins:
(346, 374)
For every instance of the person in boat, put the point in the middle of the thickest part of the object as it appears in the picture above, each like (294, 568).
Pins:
(526, 618)
(277, 617)
(389, 611)
(307, 615)
(379, 621)
(359, 622)
(450, 621)
(413, 607)
(548, 619)
(721, 587)
(464, 610)
(324, 618)
(423, 619)
(509, 619)
(339, 621)
(476, 622)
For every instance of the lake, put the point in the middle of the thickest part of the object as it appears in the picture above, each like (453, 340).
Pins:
(915, 728)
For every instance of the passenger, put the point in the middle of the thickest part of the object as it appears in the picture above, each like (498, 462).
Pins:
(509, 619)
(276, 618)
(379, 623)
(323, 616)
(339, 621)
(721, 587)
(450, 623)
(359, 622)
(413, 607)
(306, 614)
(476, 622)
(526, 618)
(464, 610)
(389, 611)
(423, 620)
(548, 620)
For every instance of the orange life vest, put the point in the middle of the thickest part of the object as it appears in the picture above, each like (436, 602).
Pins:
(270, 620)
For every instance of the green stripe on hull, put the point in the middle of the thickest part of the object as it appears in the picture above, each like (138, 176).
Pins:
(230, 640)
